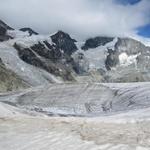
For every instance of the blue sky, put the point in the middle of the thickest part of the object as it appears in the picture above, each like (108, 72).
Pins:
(126, 2)
(142, 30)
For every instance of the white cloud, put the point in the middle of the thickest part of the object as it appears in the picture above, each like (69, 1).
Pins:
(80, 18)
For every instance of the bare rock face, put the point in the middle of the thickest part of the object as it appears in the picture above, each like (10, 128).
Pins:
(65, 42)
(5, 25)
(54, 56)
(29, 30)
(112, 59)
(45, 58)
(1, 61)
(95, 42)
(80, 65)
(50, 52)
(3, 31)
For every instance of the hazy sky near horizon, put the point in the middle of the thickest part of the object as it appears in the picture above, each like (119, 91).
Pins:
(80, 18)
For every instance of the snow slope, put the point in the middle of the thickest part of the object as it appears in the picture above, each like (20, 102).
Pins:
(97, 56)
(72, 133)
(32, 75)
(23, 129)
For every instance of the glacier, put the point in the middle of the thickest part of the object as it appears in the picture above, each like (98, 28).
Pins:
(76, 101)
(124, 127)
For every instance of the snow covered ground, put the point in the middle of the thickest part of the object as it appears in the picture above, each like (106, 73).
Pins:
(22, 132)
(83, 99)
(125, 127)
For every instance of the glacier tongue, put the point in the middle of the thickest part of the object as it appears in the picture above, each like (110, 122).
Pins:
(26, 129)
(83, 99)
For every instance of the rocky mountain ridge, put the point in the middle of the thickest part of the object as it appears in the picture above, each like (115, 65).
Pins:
(59, 58)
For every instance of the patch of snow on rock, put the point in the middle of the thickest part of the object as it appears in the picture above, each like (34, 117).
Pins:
(97, 56)
(126, 60)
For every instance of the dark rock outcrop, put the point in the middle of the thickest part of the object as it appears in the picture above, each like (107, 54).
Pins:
(95, 42)
(4, 38)
(4, 25)
(80, 63)
(39, 56)
(64, 42)
(27, 55)
(50, 53)
(112, 59)
(29, 30)
(3, 31)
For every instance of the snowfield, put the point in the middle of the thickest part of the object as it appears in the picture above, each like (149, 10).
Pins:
(27, 132)
(115, 125)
